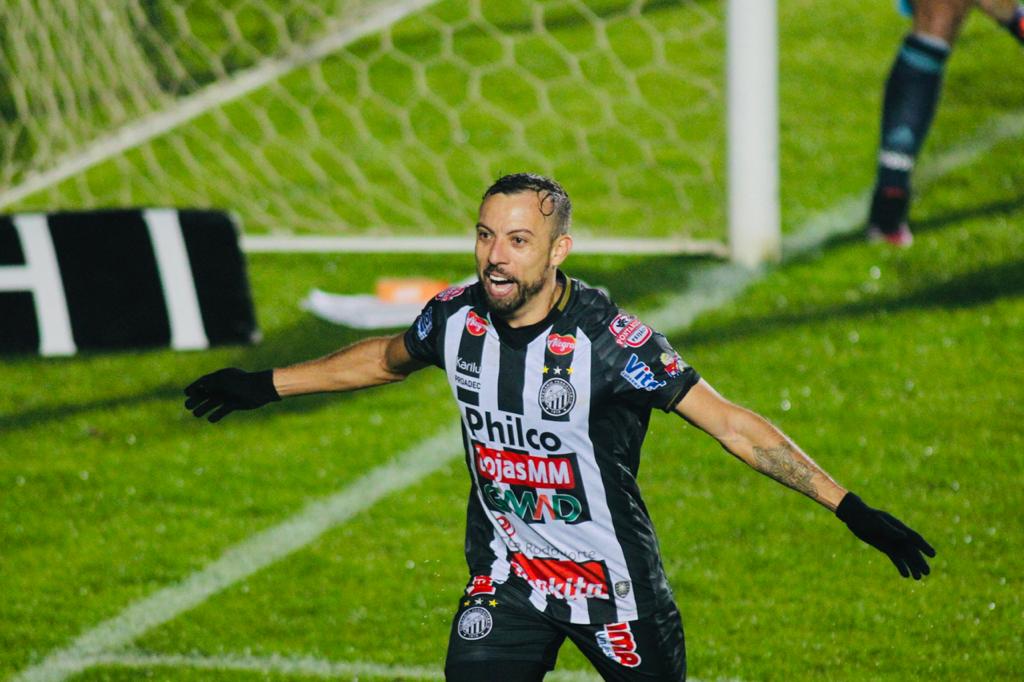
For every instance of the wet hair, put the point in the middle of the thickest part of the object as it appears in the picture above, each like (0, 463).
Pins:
(553, 199)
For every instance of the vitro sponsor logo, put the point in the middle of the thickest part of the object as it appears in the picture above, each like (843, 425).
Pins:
(638, 373)
(531, 506)
(509, 430)
(617, 642)
(563, 579)
(561, 345)
(629, 331)
(476, 325)
(517, 469)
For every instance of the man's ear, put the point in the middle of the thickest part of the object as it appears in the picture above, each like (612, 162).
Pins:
(560, 249)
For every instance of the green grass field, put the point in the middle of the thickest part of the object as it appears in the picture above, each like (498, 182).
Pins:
(898, 371)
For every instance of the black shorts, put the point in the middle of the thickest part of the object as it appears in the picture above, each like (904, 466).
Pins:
(504, 627)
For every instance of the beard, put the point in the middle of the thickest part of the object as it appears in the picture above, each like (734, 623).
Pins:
(524, 292)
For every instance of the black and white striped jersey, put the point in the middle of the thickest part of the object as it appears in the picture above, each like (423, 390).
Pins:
(553, 417)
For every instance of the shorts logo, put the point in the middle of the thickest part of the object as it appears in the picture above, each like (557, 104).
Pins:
(424, 324)
(561, 345)
(481, 584)
(475, 623)
(629, 331)
(674, 364)
(622, 588)
(557, 397)
(639, 374)
(617, 642)
(476, 325)
(450, 293)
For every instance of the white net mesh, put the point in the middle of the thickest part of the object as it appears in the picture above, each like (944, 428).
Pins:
(349, 117)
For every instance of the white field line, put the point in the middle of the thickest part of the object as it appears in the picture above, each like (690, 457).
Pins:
(464, 245)
(709, 287)
(247, 557)
(306, 666)
(215, 95)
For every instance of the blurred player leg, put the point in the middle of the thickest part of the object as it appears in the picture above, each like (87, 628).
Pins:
(911, 97)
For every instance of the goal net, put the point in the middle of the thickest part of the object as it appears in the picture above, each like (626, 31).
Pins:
(366, 118)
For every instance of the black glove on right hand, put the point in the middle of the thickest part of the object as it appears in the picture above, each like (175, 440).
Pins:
(230, 389)
(885, 532)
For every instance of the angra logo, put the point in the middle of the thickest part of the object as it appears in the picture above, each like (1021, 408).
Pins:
(476, 325)
(561, 345)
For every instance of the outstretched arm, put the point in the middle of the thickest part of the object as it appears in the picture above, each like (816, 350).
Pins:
(370, 362)
(757, 442)
(754, 440)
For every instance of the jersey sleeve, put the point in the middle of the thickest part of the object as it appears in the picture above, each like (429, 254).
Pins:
(647, 369)
(423, 338)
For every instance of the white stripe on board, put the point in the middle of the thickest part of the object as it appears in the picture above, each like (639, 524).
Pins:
(183, 313)
(464, 245)
(302, 665)
(295, 532)
(242, 560)
(40, 275)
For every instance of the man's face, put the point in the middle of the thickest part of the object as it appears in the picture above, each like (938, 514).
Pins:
(515, 256)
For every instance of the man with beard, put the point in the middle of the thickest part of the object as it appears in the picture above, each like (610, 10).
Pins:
(555, 386)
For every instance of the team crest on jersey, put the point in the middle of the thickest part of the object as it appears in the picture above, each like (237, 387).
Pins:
(561, 345)
(674, 364)
(476, 325)
(622, 588)
(617, 642)
(629, 331)
(475, 623)
(450, 293)
(557, 397)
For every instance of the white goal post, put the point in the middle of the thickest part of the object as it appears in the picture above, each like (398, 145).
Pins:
(362, 124)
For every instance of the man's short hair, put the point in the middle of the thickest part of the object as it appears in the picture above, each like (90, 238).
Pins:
(554, 201)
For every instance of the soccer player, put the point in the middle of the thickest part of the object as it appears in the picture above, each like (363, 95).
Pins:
(555, 386)
(911, 97)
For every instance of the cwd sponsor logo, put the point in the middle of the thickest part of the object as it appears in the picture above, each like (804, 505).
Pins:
(481, 584)
(563, 579)
(450, 293)
(517, 469)
(561, 345)
(531, 506)
(629, 331)
(638, 373)
(476, 325)
(617, 642)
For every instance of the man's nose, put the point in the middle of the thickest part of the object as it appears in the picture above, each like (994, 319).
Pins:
(496, 254)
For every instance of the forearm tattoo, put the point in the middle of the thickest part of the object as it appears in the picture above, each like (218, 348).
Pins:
(784, 465)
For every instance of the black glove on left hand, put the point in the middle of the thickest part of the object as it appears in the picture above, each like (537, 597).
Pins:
(888, 534)
(227, 390)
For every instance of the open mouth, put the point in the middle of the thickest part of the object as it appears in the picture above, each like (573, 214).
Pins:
(498, 285)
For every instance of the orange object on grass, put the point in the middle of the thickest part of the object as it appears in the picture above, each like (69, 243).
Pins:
(408, 289)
